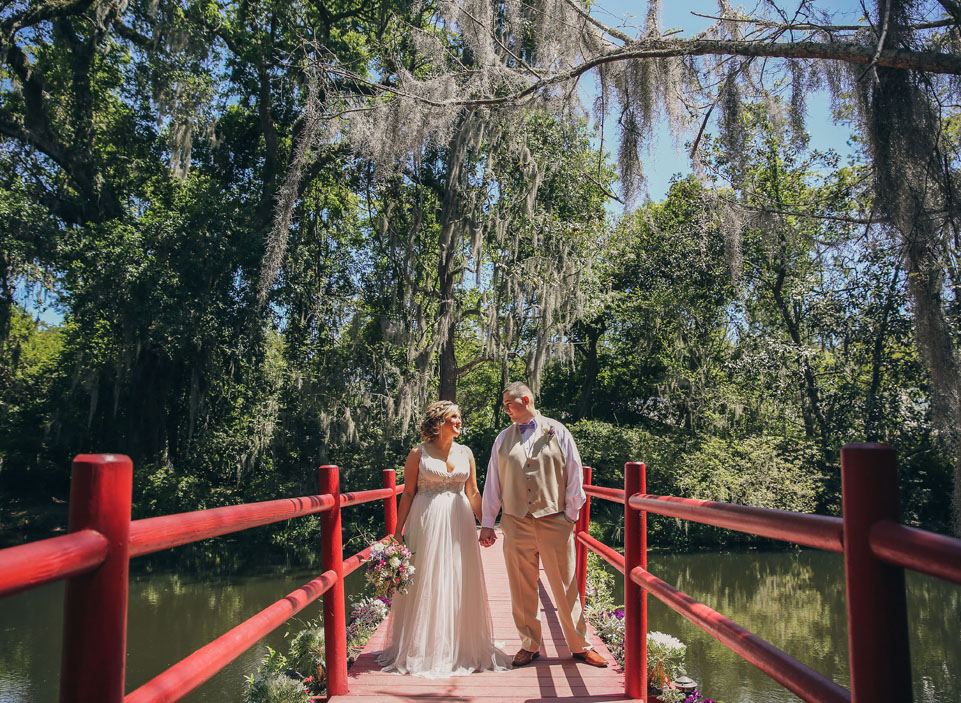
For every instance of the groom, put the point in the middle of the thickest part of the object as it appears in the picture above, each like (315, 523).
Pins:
(535, 475)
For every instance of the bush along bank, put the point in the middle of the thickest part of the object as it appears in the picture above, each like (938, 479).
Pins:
(665, 653)
(299, 676)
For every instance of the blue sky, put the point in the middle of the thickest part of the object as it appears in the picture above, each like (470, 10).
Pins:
(666, 159)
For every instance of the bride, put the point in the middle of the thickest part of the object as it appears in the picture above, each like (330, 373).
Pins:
(442, 626)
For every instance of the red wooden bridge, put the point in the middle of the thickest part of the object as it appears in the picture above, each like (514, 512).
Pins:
(553, 675)
(94, 559)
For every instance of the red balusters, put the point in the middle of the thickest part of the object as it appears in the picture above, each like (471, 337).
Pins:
(583, 525)
(877, 608)
(95, 604)
(635, 597)
(332, 558)
(390, 504)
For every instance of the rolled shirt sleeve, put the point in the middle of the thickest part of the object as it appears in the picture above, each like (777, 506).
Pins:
(574, 496)
(491, 502)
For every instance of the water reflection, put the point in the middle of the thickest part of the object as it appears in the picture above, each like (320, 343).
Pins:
(169, 616)
(796, 601)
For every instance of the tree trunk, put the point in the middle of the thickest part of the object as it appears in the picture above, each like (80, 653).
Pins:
(591, 368)
(913, 186)
(470, 131)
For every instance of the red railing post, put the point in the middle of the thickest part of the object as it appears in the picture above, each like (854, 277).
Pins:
(95, 604)
(332, 557)
(635, 597)
(583, 525)
(877, 605)
(390, 504)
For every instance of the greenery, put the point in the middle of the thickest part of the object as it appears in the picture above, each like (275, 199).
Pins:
(300, 675)
(261, 249)
(665, 653)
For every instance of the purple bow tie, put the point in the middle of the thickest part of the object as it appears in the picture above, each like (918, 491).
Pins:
(532, 425)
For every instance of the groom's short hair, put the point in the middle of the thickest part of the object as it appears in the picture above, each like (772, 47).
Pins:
(518, 389)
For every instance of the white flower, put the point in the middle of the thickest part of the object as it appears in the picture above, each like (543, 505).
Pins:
(665, 642)
(376, 547)
(411, 569)
(395, 562)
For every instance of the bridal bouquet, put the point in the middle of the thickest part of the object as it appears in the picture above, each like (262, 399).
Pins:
(389, 568)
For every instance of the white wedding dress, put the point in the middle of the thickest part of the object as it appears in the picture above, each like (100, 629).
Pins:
(442, 626)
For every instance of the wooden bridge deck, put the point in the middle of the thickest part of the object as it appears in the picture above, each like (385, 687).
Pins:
(554, 676)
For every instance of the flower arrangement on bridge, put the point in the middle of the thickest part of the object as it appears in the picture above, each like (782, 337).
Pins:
(665, 659)
(389, 568)
(365, 615)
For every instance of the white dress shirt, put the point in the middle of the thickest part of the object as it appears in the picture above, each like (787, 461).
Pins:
(574, 495)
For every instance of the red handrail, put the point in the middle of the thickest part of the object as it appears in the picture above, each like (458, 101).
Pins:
(925, 552)
(608, 554)
(819, 531)
(875, 546)
(783, 668)
(158, 533)
(583, 525)
(95, 556)
(95, 603)
(31, 565)
(615, 495)
(635, 599)
(102, 540)
(189, 673)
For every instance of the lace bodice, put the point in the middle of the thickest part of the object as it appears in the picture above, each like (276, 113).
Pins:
(433, 475)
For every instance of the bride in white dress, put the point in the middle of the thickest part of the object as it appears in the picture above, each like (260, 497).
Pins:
(442, 626)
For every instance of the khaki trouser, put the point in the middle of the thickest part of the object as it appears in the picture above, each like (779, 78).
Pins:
(552, 539)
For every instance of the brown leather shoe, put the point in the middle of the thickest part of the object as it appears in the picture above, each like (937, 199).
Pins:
(523, 657)
(589, 656)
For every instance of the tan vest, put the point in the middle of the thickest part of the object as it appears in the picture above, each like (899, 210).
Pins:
(535, 484)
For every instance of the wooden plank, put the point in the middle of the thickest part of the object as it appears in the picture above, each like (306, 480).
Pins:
(552, 676)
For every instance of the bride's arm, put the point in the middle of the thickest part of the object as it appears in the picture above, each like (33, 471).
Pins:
(411, 467)
(473, 494)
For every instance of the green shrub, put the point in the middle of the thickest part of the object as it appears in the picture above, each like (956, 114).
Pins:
(274, 688)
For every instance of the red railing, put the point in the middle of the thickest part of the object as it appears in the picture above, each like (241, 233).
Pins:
(95, 556)
(876, 551)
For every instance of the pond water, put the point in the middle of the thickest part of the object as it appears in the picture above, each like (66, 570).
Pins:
(169, 616)
(794, 600)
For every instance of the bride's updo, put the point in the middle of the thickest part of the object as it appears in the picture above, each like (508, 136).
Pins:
(435, 416)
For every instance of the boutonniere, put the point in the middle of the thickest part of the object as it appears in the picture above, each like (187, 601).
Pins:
(549, 433)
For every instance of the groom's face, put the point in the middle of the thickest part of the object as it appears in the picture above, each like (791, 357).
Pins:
(517, 409)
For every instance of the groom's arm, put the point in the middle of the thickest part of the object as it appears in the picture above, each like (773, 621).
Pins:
(491, 503)
(574, 491)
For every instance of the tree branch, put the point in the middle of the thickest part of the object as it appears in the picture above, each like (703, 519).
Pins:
(929, 61)
(42, 12)
(476, 362)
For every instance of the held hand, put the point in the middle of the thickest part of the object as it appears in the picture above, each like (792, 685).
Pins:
(487, 537)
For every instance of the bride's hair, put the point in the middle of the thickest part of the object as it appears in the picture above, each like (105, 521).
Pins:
(435, 416)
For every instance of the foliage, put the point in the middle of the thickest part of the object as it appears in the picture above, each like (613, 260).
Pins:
(272, 684)
(365, 616)
(307, 650)
(263, 264)
(665, 654)
(300, 674)
(665, 659)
